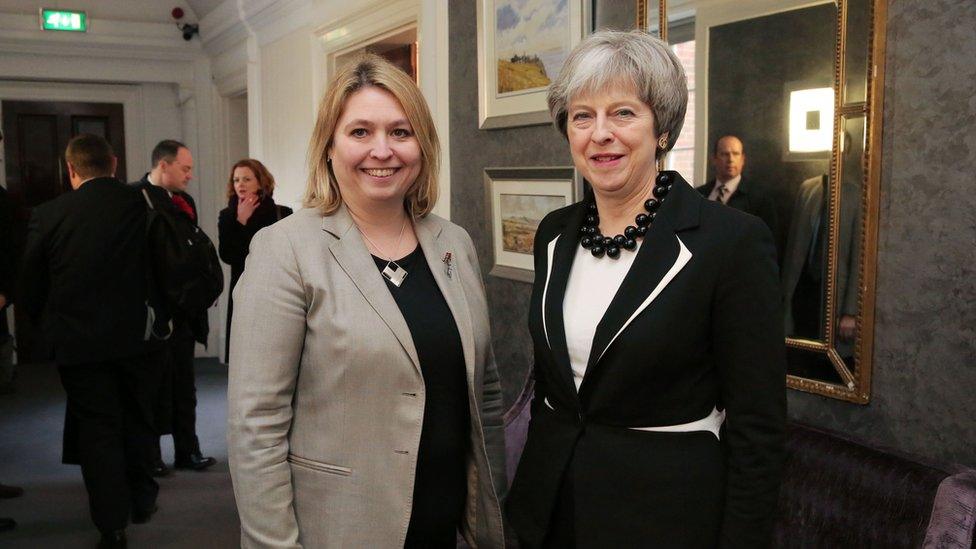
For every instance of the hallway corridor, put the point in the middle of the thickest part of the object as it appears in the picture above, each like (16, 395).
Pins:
(196, 509)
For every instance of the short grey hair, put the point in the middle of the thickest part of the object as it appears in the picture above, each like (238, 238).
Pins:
(608, 59)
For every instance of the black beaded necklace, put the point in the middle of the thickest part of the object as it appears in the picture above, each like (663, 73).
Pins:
(591, 239)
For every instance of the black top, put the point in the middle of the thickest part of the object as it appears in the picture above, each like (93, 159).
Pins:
(440, 488)
(235, 239)
(235, 242)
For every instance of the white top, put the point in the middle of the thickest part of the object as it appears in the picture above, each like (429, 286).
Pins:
(593, 283)
(730, 186)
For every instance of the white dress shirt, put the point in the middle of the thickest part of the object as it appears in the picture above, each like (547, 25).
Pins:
(730, 186)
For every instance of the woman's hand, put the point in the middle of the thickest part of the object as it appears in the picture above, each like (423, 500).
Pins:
(246, 207)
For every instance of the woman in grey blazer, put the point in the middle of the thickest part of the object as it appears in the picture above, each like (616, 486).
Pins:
(364, 402)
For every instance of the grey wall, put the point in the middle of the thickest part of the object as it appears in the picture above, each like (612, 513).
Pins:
(473, 150)
(925, 330)
(925, 335)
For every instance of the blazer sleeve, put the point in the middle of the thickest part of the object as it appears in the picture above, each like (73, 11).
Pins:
(750, 354)
(234, 238)
(492, 408)
(267, 338)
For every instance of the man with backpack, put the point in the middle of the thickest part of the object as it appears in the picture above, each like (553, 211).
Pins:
(84, 280)
(189, 272)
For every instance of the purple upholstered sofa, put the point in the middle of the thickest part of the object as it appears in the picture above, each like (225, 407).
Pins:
(838, 493)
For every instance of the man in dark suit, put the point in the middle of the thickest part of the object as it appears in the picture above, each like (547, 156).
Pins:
(731, 189)
(166, 187)
(85, 282)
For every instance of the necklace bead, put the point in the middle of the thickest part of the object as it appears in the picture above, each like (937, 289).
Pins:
(599, 245)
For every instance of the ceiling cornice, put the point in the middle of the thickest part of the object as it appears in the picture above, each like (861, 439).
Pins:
(20, 33)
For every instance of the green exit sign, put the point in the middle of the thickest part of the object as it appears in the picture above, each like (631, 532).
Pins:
(62, 20)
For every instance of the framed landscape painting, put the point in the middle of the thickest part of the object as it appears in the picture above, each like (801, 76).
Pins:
(518, 199)
(522, 45)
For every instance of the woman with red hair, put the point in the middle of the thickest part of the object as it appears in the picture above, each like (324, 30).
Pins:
(250, 209)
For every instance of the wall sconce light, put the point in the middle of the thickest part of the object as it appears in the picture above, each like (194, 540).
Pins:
(811, 120)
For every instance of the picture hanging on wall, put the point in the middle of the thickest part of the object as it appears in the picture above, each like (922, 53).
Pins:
(522, 45)
(518, 199)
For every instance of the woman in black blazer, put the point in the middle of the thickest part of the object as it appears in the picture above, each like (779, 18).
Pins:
(659, 410)
(249, 210)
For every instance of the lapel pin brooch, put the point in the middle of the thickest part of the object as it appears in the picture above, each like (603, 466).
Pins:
(447, 262)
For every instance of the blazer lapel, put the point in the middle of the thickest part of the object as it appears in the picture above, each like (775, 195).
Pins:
(435, 248)
(661, 257)
(564, 251)
(352, 255)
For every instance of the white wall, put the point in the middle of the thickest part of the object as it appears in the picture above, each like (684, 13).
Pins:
(279, 51)
(287, 112)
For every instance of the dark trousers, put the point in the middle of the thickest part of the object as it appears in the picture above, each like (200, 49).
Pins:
(110, 404)
(184, 397)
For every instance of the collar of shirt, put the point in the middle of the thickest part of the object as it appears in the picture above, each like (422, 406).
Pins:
(151, 182)
(730, 186)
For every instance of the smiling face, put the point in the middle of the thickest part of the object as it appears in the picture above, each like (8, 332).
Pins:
(245, 182)
(375, 155)
(612, 140)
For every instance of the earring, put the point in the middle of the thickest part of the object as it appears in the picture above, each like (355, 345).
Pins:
(328, 160)
(662, 143)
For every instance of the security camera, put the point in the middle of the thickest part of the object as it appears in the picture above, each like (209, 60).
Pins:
(189, 30)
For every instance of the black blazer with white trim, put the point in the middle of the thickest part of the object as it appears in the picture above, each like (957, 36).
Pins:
(696, 324)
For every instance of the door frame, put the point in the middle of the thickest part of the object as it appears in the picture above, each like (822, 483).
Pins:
(130, 96)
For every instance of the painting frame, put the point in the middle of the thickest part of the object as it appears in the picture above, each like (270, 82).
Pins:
(526, 107)
(562, 184)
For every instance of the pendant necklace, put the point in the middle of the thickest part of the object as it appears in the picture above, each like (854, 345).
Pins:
(393, 271)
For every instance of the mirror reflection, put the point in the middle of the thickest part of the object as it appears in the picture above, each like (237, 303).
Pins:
(856, 55)
(770, 112)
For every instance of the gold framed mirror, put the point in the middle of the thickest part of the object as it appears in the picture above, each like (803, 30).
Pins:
(799, 85)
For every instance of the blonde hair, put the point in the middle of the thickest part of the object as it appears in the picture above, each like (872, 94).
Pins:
(322, 190)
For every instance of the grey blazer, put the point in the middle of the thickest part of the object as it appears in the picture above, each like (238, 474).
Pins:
(326, 398)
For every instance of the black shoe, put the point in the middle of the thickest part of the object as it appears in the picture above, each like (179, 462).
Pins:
(143, 516)
(7, 492)
(113, 540)
(7, 524)
(159, 469)
(194, 461)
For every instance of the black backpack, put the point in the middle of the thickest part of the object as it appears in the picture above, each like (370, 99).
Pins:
(183, 259)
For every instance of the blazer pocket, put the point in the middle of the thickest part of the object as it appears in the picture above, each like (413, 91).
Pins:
(319, 466)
